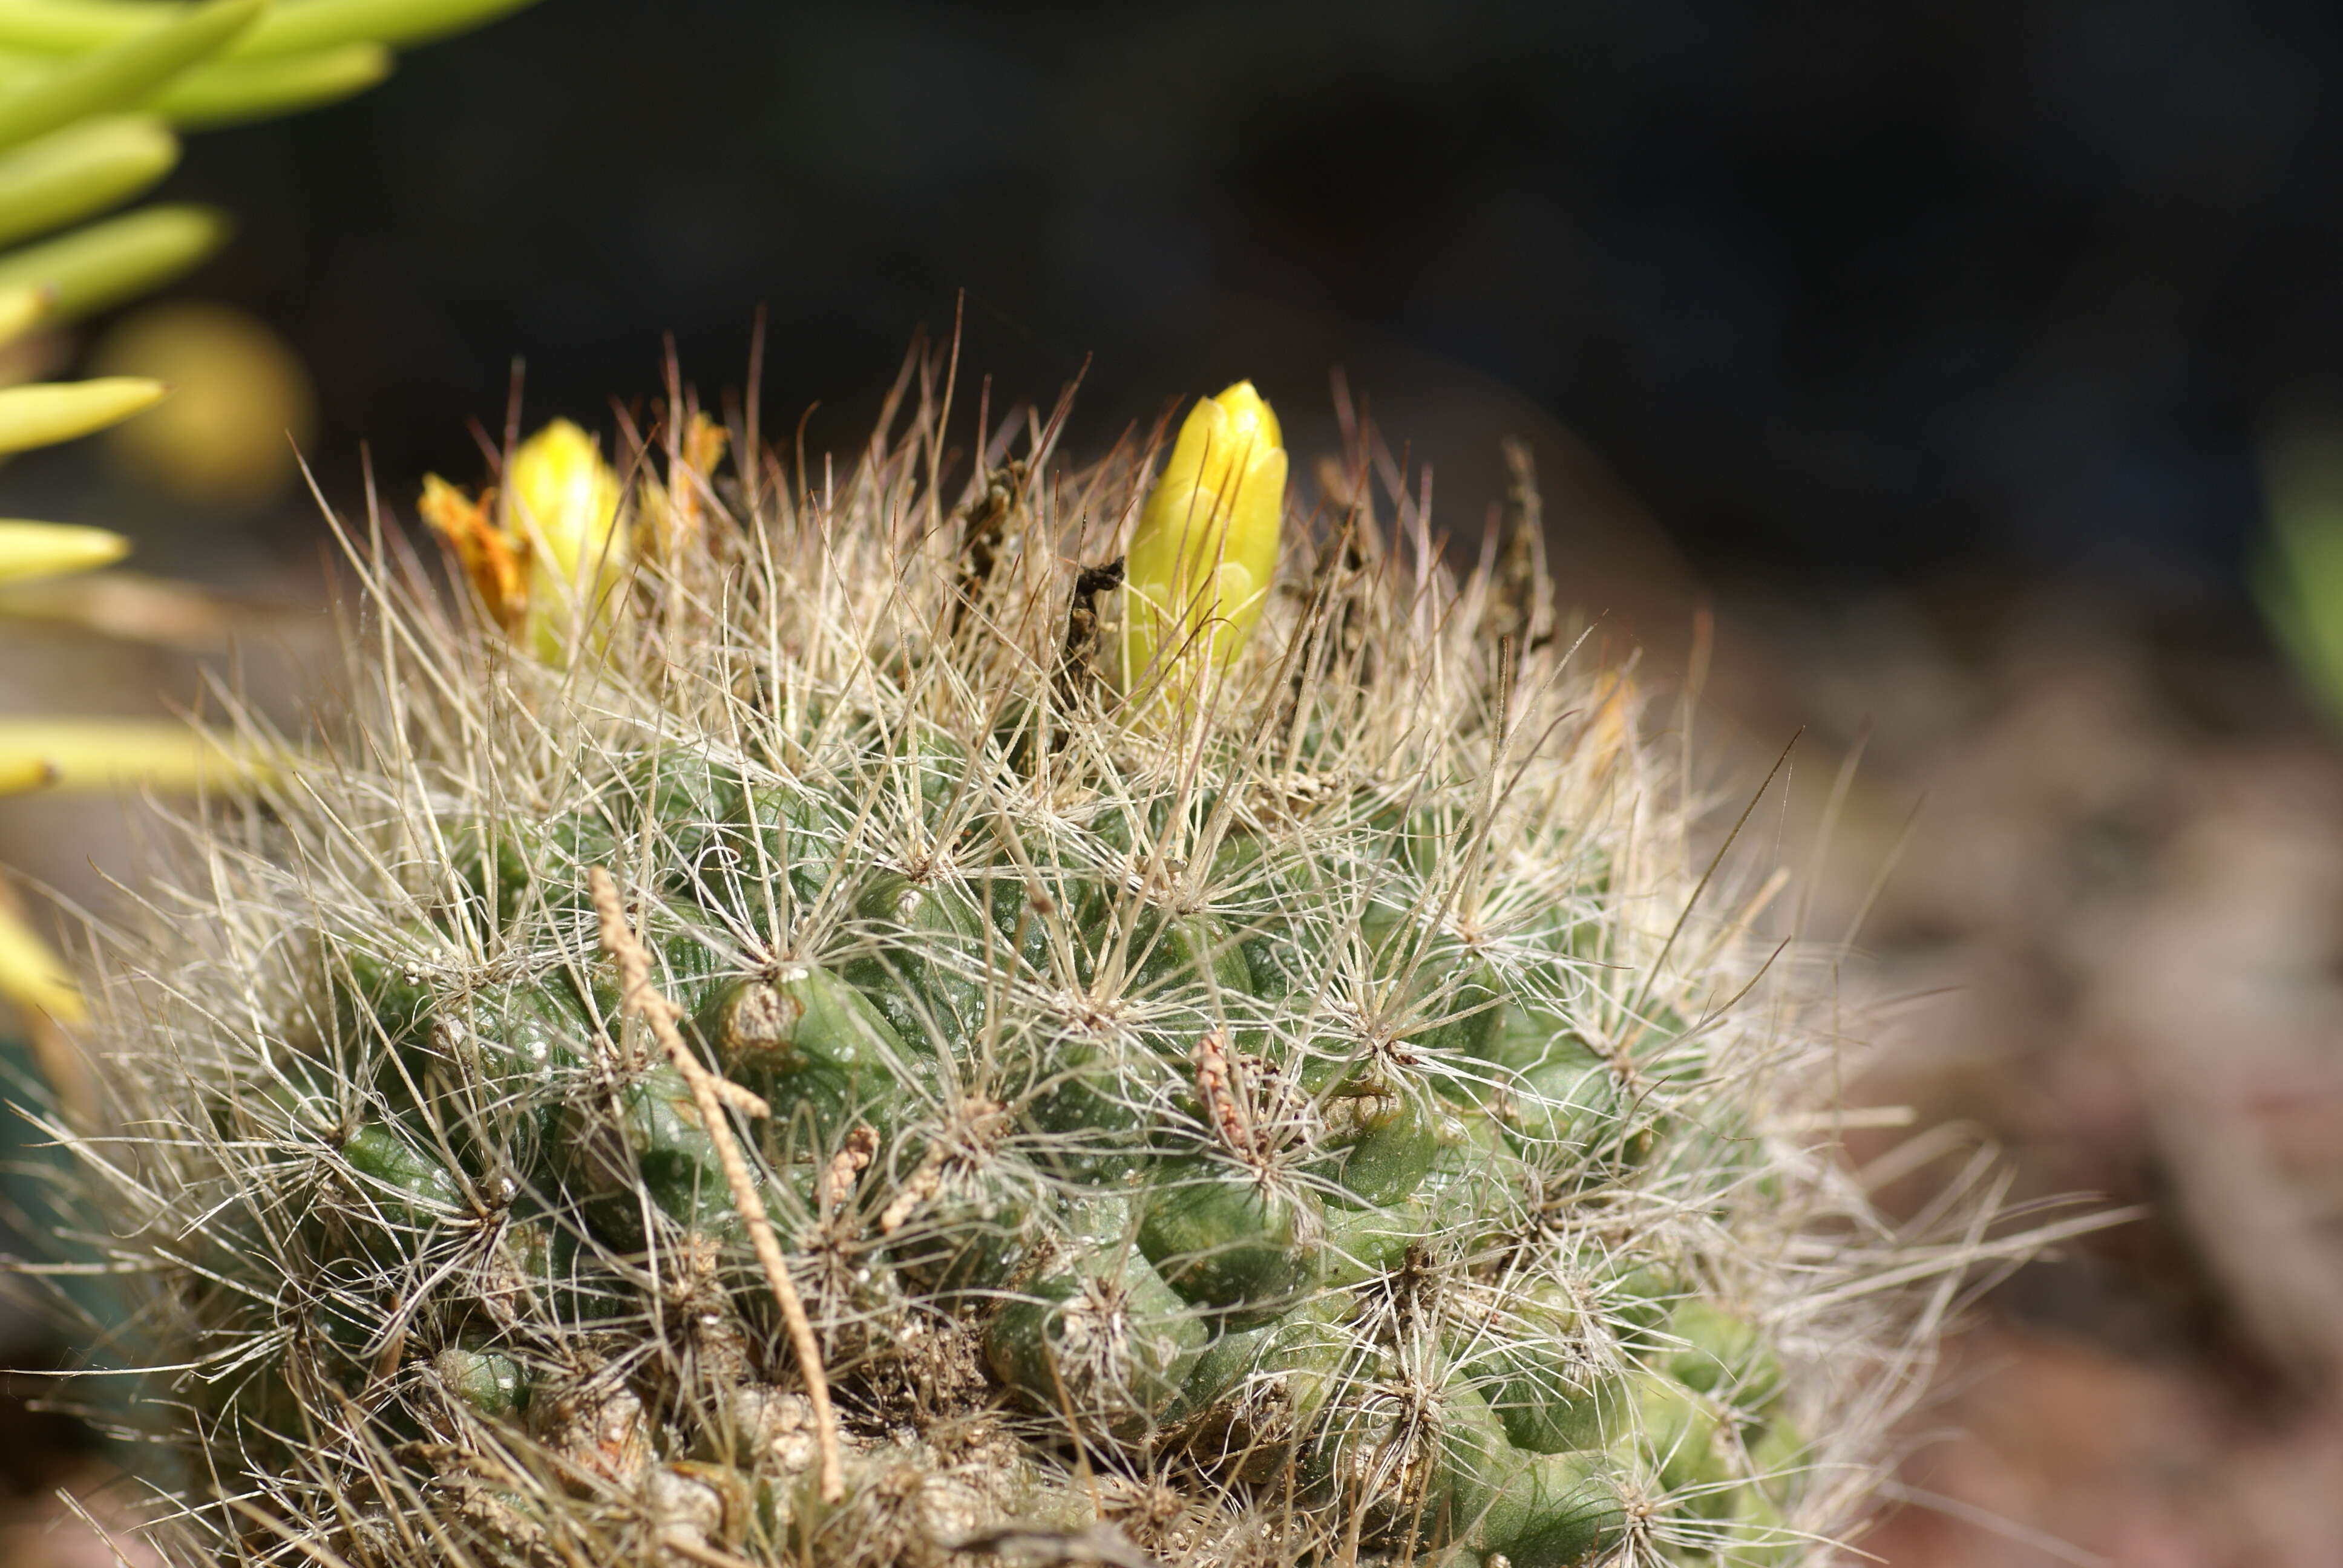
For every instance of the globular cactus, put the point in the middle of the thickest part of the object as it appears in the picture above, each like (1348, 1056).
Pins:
(784, 1041)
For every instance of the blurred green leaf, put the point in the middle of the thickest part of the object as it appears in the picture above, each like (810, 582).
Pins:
(2298, 580)
(83, 169)
(231, 92)
(120, 77)
(121, 259)
(74, 27)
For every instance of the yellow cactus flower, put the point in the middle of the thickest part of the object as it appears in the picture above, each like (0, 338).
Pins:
(552, 552)
(1197, 575)
(564, 499)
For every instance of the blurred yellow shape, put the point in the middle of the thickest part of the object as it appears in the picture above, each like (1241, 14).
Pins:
(1610, 729)
(31, 975)
(51, 549)
(86, 756)
(23, 776)
(1197, 575)
(241, 406)
(48, 412)
(22, 308)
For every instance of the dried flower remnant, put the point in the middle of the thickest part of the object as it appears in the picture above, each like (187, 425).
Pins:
(547, 553)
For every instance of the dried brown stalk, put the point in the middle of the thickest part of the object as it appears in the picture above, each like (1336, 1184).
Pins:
(709, 1093)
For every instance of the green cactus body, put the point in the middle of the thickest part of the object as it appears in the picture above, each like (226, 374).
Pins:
(1725, 1355)
(1381, 1148)
(406, 1186)
(1531, 1364)
(1233, 1244)
(1254, 1393)
(1109, 1343)
(1552, 1511)
(494, 1383)
(1277, 1087)
(807, 1041)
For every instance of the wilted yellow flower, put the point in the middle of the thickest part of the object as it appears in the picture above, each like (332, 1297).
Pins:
(1197, 575)
(552, 553)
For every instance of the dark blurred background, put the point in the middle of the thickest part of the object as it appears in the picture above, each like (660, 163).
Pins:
(1935, 346)
(1840, 290)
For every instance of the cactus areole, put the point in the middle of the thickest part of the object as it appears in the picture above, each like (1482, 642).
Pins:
(864, 1034)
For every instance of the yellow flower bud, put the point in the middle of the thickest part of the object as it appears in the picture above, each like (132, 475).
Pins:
(563, 500)
(1197, 575)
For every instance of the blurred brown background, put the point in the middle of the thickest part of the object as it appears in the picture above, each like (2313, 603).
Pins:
(1931, 346)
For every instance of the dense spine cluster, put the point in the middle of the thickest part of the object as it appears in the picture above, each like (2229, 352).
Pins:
(1311, 1111)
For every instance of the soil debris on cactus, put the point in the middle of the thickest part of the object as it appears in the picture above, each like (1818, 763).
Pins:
(770, 1069)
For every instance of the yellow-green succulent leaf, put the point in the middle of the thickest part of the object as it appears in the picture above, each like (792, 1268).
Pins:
(23, 308)
(120, 259)
(29, 550)
(232, 91)
(294, 27)
(23, 776)
(47, 412)
(31, 975)
(1197, 574)
(96, 756)
(305, 25)
(120, 76)
(563, 499)
(85, 168)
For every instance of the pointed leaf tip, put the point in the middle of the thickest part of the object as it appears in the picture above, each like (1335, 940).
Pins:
(45, 413)
(29, 550)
